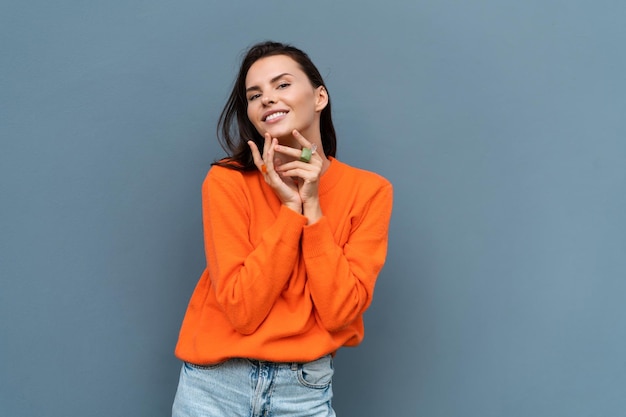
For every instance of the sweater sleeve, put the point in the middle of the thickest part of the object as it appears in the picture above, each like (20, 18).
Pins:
(247, 279)
(342, 279)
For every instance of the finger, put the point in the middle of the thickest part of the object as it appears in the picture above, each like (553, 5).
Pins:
(278, 168)
(287, 150)
(269, 156)
(313, 166)
(295, 153)
(305, 144)
(277, 164)
(300, 173)
(301, 139)
(267, 145)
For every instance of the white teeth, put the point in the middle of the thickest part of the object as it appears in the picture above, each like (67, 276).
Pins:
(275, 115)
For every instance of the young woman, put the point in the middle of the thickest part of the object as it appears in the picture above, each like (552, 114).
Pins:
(294, 241)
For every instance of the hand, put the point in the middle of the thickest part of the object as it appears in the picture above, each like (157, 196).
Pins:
(285, 188)
(307, 175)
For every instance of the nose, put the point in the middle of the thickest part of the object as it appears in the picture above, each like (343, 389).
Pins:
(266, 100)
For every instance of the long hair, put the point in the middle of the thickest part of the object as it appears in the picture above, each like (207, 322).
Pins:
(234, 129)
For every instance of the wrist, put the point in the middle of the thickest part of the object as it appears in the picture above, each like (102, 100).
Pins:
(312, 210)
(297, 207)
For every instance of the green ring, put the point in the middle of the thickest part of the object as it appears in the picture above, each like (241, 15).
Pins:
(305, 156)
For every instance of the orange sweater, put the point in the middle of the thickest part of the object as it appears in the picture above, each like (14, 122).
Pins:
(275, 288)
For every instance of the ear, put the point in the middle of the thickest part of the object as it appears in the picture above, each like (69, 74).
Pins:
(321, 98)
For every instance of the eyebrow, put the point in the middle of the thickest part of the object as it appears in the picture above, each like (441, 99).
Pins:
(273, 80)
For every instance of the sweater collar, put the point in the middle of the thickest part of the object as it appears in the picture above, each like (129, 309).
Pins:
(331, 177)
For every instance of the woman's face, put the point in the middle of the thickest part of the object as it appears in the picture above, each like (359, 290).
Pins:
(281, 98)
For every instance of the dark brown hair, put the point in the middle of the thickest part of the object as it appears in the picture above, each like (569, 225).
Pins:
(234, 129)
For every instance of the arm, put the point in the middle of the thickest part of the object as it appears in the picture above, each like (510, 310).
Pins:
(342, 279)
(247, 279)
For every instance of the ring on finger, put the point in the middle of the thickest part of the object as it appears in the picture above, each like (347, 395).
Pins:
(305, 156)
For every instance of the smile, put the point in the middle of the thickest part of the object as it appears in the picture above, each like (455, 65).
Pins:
(273, 116)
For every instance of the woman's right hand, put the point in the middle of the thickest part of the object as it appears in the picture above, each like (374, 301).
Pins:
(285, 187)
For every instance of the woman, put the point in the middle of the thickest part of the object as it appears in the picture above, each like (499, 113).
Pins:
(294, 241)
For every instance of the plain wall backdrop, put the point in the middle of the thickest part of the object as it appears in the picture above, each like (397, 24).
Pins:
(501, 124)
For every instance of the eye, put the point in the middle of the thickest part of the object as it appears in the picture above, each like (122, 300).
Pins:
(254, 97)
(283, 85)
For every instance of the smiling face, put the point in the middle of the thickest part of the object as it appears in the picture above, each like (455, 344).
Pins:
(281, 98)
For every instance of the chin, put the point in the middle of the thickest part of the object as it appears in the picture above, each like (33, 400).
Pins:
(281, 133)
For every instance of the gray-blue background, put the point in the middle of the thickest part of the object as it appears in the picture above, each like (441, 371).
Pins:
(502, 125)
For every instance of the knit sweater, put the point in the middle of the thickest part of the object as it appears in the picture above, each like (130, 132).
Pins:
(275, 288)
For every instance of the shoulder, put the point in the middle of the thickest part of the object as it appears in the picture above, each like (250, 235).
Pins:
(224, 178)
(219, 171)
(228, 172)
(358, 177)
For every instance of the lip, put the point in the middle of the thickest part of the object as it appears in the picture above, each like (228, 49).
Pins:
(270, 112)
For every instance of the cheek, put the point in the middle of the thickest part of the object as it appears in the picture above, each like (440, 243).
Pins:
(250, 113)
(308, 102)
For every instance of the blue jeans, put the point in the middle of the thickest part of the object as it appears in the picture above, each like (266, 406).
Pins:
(250, 388)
